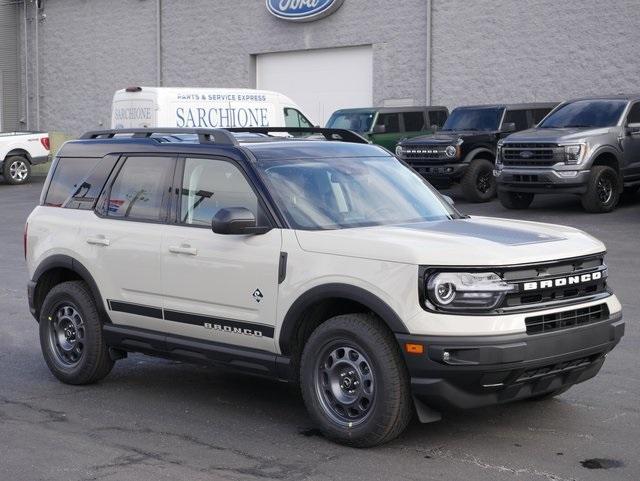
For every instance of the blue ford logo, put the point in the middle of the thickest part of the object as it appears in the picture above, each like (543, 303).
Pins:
(302, 10)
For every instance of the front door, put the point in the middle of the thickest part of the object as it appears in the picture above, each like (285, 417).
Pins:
(216, 287)
(631, 145)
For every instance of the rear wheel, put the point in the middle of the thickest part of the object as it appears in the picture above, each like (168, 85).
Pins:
(478, 183)
(16, 170)
(354, 381)
(603, 190)
(515, 200)
(71, 335)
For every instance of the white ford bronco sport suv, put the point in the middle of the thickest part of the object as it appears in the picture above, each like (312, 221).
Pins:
(331, 263)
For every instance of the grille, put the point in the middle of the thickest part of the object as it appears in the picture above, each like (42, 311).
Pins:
(566, 319)
(425, 152)
(558, 368)
(531, 154)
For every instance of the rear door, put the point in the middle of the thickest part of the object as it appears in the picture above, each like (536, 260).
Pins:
(631, 145)
(125, 238)
(218, 287)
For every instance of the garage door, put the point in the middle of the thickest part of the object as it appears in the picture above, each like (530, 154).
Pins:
(320, 81)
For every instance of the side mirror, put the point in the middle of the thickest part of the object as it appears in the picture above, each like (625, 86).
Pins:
(508, 127)
(236, 221)
(379, 129)
(448, 199)
(633, 128)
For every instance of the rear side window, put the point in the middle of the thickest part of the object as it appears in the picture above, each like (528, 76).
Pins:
(391, 122)
(86, 192)
(413, 121)
(141, 189)
(518, 117)
(437, 117)
(293, 118)
(538, 115)
(68, 174)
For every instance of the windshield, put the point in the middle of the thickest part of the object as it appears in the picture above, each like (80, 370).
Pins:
(358, 121)
(473, 119)
(585, 113)
(351, 192)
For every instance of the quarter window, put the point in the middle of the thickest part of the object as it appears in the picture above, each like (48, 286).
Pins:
(141, 189)
(69, 172)
(413, 121)
(209, 185)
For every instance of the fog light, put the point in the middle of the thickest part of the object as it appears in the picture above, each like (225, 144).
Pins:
(568, 173)
(446, 356)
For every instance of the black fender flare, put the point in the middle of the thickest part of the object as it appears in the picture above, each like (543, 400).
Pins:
(471, 155)
(605, 149)
(342, 291)
(67, 262)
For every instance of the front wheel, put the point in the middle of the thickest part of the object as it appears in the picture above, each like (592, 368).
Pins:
(478, 183)
(71, 335)
(603, 190)
(16, 170)
(515, 200)
(354, 381)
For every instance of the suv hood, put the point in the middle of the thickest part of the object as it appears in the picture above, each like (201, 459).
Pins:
(478, 241)
(446, 137)
(556, 135)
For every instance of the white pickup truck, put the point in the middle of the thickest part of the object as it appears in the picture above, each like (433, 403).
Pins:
(19, 151)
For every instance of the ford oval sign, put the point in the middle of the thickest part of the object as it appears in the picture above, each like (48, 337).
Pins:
(302, 10)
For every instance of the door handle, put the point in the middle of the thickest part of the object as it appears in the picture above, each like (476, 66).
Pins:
(99, 240)
(184, 249)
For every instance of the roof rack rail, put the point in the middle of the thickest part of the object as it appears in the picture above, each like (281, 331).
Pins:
(340, 135)
(205, 136)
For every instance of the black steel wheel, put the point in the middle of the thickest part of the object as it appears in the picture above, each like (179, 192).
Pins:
(354, 381)
(603, 190)
(478, 183)
(71, 335)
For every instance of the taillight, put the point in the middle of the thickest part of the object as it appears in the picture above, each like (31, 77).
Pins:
(24, 239)
(45, 142)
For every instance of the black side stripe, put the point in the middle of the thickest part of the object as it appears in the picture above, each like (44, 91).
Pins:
(226, 325)
(138, 309)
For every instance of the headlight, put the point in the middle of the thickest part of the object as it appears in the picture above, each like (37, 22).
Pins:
(459, 291)
(398, 150)
(573, 154)
(451, 151)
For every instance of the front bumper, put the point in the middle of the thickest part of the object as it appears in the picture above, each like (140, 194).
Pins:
(439, 173)
(541, 181)
(486, 370)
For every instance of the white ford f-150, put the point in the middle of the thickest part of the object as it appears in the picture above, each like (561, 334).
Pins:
(19, 151)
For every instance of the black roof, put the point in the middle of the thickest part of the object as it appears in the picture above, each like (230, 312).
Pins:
(530, 105)
(322, 143)
(609, 97)
(385, 110)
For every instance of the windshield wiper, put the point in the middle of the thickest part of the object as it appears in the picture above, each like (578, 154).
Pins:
(576, 126)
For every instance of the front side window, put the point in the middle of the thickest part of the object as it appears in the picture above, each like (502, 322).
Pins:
(518, 117)
(585, 113)
(358, 121)
(351, 192)
(468, 118)
(293, 118)
(209, 185)
(634, 114)
(391, 122)
(437, 118)
(141, 189)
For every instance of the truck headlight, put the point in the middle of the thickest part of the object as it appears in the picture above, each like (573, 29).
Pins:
(398, 150)
(451, 151)
(573, 154)
(459, 291)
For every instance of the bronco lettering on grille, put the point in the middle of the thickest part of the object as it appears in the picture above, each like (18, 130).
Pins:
(562, 281)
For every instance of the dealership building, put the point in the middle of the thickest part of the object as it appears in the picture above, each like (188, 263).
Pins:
(62, 60)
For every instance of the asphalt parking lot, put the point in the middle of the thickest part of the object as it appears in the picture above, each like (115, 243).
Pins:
(153, 419)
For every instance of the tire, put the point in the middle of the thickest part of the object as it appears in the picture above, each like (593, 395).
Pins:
(515, 200)
(16, 170)
(71, 335)
(549, 395)
(603, 190)
(359, 354)
(478, 183)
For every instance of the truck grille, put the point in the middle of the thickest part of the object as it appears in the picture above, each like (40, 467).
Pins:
(425, 153)
(557, 368)
(568, 281)
(531, 154)
(566, 319)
